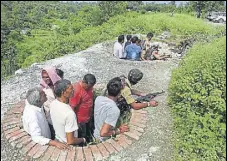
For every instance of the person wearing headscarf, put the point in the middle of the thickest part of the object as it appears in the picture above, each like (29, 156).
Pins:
(49, 78)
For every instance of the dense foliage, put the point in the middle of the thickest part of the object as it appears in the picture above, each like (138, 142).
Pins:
(197, 96)
(41, 30)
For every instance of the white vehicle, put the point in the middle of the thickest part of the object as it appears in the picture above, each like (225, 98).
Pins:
(219, 17)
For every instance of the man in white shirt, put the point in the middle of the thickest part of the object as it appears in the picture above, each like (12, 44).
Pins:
(118, 48)
(34, 120)
(62, 115)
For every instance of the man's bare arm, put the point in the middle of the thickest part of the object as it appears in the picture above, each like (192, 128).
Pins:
(137, 92)
(71, 140)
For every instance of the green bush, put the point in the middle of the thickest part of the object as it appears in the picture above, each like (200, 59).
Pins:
(197, 97)
(58, 44)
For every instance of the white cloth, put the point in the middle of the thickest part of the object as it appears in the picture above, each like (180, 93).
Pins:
(64, 120)
(50, 97)
(35, 123)
(118, 50)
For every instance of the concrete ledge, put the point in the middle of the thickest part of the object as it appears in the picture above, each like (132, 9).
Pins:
(16, 137)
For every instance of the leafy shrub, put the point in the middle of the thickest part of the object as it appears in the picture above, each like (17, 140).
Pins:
(58, 44)
(197, 96)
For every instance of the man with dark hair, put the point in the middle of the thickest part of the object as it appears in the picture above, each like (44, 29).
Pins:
(118, 47)
(146, 45)
(134, 76)
(126, 101)
(128, 37)
(106, 112)
(60, 73)
(82, 104)
(138, 43)
(150, 51)
(63, 117)
(133, 51)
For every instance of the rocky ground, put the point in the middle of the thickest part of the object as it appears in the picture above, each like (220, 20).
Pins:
(155, 144)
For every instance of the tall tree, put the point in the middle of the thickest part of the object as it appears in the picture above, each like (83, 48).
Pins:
(206, 6)
(134, 5)
(111, 8)
(173, 3)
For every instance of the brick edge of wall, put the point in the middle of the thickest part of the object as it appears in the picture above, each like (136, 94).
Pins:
(16, 136)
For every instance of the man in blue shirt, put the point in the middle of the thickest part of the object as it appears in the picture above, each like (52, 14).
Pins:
(133, 51)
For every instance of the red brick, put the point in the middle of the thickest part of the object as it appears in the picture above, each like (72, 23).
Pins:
(18, 110)
(79, 154)
(12, 122)
(24, 141)
(40, 152)
(87, 153)
(11, 130)
(127, 140)
(115, 144)
(121, 142)
(138, 124)
(62, 156)
(35, 149)
(28, 147)
(18, 105)
(71, 154)
(139, 129)
(10, 127)
(96, 153)
(14, 133)
(14, 143)
(17, 136)
(55, 154)
(48, 153)
(103, 150)
(109, 147)
(136, 132)
(9, 119)
(132, 134)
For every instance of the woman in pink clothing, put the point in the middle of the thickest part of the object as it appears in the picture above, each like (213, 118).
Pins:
(49, 78)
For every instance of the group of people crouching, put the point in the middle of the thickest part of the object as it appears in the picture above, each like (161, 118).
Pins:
(136, 49)
(59, 113)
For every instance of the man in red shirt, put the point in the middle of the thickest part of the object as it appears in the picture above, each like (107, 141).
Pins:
(82, 104)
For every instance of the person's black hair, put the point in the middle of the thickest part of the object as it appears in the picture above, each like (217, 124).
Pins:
(121, 38)
(89, 79)
(60, 73)
(114, 86)
(134, 39)
(150, 35)
(134, 76)
(61, 86)
(128, 37)
(139, 41)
